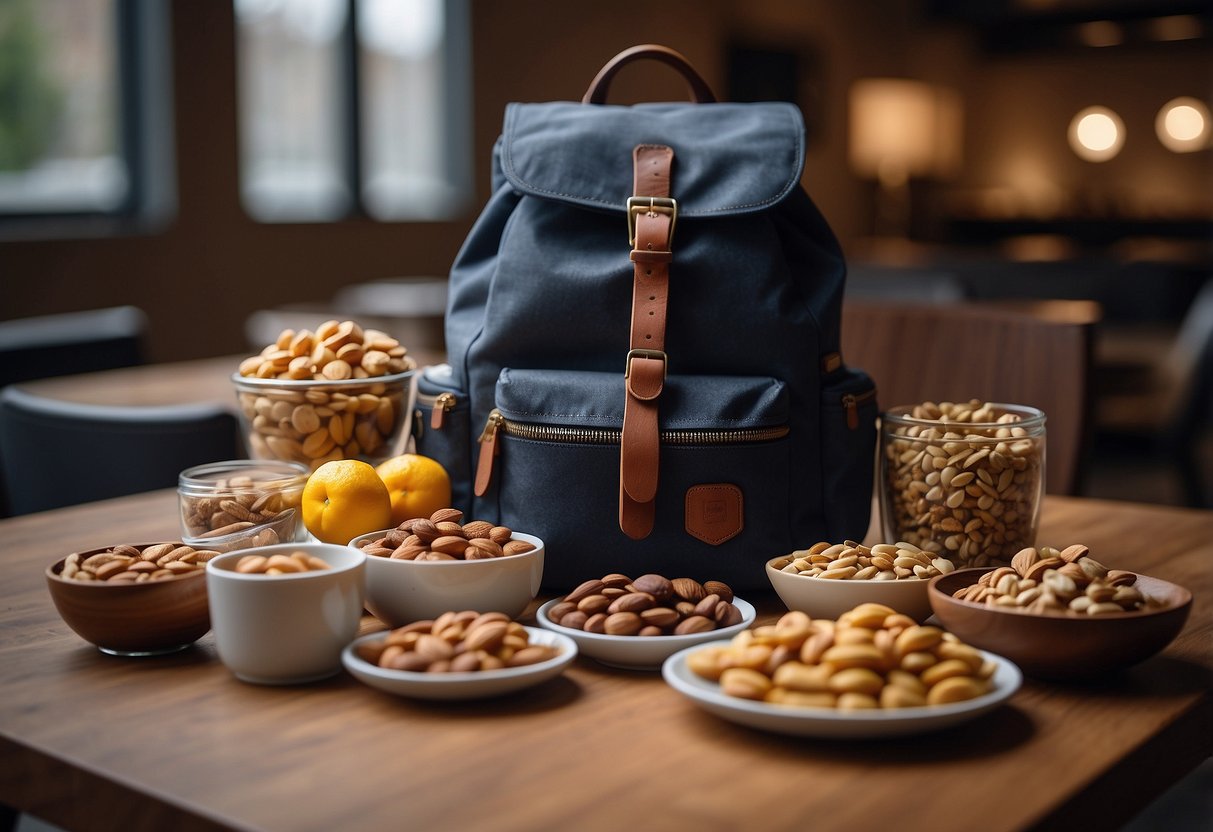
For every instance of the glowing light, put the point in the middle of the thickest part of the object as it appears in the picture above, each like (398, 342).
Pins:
(1182, 125)
(1096, 134)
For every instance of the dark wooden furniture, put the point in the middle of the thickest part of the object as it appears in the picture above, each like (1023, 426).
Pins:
(90, 741)
(1032, 354)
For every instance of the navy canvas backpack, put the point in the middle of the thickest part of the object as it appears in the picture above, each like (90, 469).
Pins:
(643, 342)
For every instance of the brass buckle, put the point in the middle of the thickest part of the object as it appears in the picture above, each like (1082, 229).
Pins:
(650, 205)
(654, 354)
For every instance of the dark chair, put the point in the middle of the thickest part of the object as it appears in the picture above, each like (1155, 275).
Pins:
(56, 453)
(1034, 354)
(69, 343)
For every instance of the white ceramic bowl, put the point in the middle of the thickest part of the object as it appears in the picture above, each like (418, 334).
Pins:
(286, 629)
(828, 598)
(399, 592)
(640, 652)
(481, 684)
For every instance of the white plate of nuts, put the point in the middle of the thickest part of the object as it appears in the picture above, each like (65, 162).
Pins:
(872, 673)
(637, 624)
(499, 656)
(830, 723)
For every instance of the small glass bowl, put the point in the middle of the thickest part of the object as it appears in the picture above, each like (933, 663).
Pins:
(314, 422)
(966, 491)
(241, 503)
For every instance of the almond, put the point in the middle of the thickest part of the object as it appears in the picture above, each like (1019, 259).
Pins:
(624, 624)
(500, 534)
(424, 529)
(446, 515)
(590, 587)
(718, 588)
(477, 529)
(694, 624)
(659, 586)
(689, 589)
(515, 547)
(448, 545)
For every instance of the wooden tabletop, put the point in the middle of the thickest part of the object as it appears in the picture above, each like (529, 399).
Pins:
(203, 380)
(90, 741)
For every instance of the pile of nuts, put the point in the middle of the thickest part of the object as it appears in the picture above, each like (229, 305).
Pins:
(336, 351)
(851, 561)
(457, 642)
(969, 494)
(1065, 582)
(126, 564)
(319, 424)
(444, 536)
(241, 502)
(872, 657)
(651, 605)
(295, 562)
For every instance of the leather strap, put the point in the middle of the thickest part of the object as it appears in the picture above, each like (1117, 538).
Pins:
(646, 362)
(699, 90)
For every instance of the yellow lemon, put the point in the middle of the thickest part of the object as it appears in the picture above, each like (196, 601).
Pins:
(418, 486)
(344, 499)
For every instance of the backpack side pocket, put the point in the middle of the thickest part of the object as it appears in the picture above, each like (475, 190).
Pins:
(848, 453)
(441, 430)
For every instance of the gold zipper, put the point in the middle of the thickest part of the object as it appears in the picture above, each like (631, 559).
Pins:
(611, 436)
(444, 403)
(498, 424)
(850, 403)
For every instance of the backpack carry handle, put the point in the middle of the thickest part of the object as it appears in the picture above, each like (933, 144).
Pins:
(701, 93)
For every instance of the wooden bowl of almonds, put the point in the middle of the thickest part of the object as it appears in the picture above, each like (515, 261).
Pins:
(1060, 613)
(134, 600)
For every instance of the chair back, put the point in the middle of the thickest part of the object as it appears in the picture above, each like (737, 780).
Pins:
(58, 453)
(1033, 355)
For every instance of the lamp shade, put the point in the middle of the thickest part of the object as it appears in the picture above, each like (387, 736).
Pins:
(901, 128)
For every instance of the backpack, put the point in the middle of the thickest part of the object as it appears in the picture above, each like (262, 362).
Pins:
(725, 429)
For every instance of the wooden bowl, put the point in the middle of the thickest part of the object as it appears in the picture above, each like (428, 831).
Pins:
(1059, 646)
(145, 619)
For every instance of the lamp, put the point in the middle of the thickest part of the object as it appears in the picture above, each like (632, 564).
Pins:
(902, 129)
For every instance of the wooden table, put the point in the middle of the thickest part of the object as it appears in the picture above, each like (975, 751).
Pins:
(90, 741)
(203, 380)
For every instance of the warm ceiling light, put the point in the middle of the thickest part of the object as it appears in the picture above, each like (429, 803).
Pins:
(1176, 27)
(1100, 33)
(1183, 125)
(1097, 134)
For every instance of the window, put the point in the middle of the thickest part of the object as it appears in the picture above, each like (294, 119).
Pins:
(351, 106)
(76, 106)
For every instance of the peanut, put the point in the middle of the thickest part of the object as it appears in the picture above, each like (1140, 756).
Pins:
(851, 561)
(858, 662)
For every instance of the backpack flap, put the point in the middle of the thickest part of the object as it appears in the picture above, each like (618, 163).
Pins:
(729, 158)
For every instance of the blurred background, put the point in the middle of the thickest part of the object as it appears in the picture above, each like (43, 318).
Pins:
(225, 165)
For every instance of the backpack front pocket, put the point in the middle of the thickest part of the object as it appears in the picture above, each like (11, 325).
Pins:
(552, 447)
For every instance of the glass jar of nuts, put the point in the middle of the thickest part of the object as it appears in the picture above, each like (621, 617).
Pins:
(962, 480)
(340, 392)
(242, 503)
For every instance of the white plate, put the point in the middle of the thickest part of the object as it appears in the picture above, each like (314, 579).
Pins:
(640, 652)
(827, 722)
(473, 685)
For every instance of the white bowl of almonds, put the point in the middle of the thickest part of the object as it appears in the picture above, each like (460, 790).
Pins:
(827, 579)
(427, 566)
(340, 392)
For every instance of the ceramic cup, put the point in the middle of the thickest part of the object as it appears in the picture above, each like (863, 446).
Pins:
(286, 629)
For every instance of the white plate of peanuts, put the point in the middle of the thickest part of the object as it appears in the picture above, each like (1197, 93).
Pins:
(853, 678)
(499, 656)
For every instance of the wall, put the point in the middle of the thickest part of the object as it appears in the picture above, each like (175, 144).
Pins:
(199, 278)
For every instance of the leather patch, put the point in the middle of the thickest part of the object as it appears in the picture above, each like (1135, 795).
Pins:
(714, 513)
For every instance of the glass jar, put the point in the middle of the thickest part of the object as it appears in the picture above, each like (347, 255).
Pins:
(314, 422)
(242, 503)
(964, 482)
